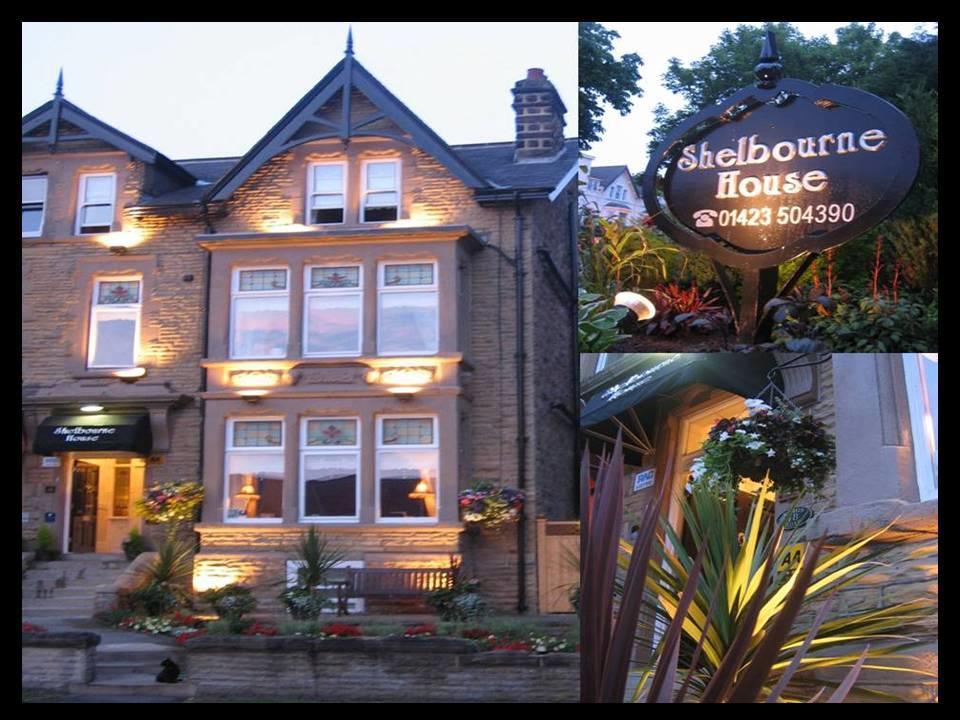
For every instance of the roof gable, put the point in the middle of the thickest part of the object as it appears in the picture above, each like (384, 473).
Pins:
(347, 102)
(59, 123)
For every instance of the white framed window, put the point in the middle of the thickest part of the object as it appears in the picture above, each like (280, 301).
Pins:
(114, 323)
(354, 605)
(95, 205)
(332, 310)
(326, 193)
(33, 200)
(921, 371)
(330, 469)
(408, 468)
(253, 470)
(259, 313)
(380, 201)
(407, 308)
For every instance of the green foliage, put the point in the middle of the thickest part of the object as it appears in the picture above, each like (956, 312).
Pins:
(134, 545)
(304, 600)
(881, 325)
(44, 545)
(603, 79)
(173, 564)
(915, 250)
(597, 327)
(231, 603)
(156, 598)
(461, 601)
(616, 256)
(903, 71)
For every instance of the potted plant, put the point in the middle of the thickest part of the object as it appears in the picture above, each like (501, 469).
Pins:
(231, 603)
(305, 599)
(44, 546)
(489, 505)
(793, 449)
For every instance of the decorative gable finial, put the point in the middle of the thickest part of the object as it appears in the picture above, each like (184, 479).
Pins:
(349, 50)
(59, 92)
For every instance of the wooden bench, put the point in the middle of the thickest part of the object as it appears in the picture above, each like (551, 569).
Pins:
(388, 583)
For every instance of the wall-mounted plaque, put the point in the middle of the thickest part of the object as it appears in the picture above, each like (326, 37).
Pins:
(643, 479)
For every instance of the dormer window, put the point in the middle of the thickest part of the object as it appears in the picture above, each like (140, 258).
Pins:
(381, 191)
(95, 206)
(326, 193)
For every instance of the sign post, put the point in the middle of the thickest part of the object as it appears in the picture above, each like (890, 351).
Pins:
(777, 171)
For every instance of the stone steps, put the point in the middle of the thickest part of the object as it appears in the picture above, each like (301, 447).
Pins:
(134, 684)
(78, 598)
(130, 669)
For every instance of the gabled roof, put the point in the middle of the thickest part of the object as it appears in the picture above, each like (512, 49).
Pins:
(58, 123)
(494, 163)
(606, 174)
(326, 112)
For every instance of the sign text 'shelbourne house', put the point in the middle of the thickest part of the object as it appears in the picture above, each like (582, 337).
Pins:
(750, 151)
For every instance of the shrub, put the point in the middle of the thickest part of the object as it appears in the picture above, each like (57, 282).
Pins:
(597, 323)
(44, 545)
(687, 308)
(231, 603)
(459, 603)
(305, 604)
(134, 545)
(156, 598)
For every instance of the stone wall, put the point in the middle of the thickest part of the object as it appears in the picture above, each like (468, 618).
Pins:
(375, 669)
(54, 660)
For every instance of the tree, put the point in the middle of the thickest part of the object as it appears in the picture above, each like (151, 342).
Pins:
(901, 70)
(603, 79)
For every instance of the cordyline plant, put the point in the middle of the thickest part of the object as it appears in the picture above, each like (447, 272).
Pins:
(727, 602)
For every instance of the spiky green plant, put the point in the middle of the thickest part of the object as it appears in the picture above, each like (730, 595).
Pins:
(728, 602)
(317, 558)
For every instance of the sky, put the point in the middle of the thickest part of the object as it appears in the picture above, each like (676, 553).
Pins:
(214, 89)
(625, 139)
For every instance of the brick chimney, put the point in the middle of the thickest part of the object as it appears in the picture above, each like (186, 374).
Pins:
(539, 118)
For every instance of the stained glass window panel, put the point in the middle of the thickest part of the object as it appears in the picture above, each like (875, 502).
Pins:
(125, 292)
(331, 432)
(407, 431)
(258, 433)
(335, 277)
(408, 274)
(253, 280)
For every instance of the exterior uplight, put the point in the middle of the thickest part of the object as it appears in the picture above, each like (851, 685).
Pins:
(637, 304)
(252, 395)
(254, 378)
(130, 375)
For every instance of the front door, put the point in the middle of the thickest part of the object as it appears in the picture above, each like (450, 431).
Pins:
(83, 508)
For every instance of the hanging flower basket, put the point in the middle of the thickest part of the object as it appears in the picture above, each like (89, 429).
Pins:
(170, 502)
(490, 506)
(795, 450)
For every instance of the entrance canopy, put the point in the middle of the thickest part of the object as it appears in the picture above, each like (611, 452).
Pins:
(644, 377)
(129, 432)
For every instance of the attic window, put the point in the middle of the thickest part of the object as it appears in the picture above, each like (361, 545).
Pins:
(95, 206)
(33, 195)
(381, 191)
(326, 193)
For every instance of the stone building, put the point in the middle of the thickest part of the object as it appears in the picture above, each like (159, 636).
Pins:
(881, 408)
(344, 328)
(610, 191)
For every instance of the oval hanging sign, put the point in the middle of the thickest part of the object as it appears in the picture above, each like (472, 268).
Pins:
(777, 171)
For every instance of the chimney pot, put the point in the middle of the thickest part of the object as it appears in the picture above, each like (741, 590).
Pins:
(539, 118)
(535, 74)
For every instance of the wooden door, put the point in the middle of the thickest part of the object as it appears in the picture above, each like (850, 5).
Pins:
(83, 508)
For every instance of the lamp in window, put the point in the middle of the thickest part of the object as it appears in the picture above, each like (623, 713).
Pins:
(424, 491)
(249, 493)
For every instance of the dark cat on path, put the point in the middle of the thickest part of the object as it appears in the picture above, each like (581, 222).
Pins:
(170, 672)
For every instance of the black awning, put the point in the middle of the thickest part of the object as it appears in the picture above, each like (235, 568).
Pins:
(128, 432)
(655, 375)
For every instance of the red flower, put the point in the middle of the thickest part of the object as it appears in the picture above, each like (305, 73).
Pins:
(341, 630)
(476, 634)
(514, 645)
(259, 628)
(426, 629)
(31, 628)
(183, 637)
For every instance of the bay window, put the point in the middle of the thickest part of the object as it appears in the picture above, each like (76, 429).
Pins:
(95, 205)
(329, 469)
(259, 313)
(380, 200)
(408, 316)
(254, 470)
(407, 463)
(326, 193)
(333, 311)
(114, 323)
(33, 198)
